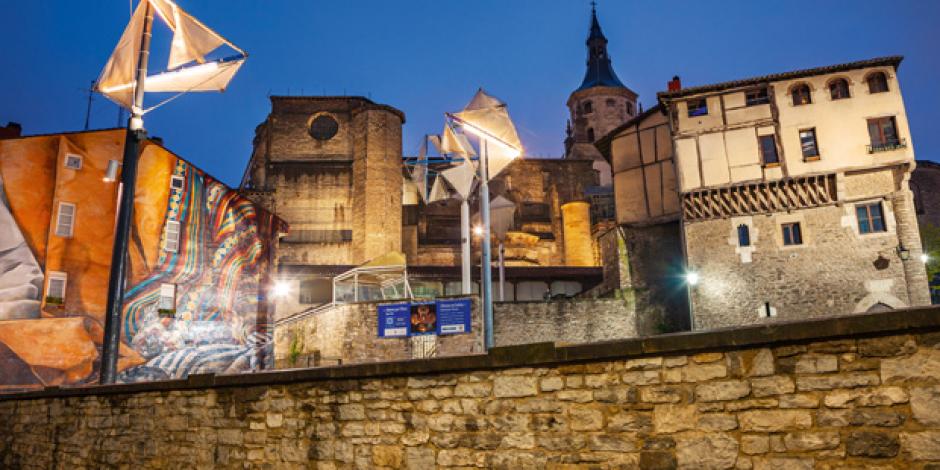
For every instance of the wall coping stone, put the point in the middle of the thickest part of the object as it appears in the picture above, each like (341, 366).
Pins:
(545, 354)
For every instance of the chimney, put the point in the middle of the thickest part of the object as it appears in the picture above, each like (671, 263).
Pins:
(675, 84)
(11, 130)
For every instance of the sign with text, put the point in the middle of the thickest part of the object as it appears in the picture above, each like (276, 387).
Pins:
(453, 316)
(394, 320)
(441, 317)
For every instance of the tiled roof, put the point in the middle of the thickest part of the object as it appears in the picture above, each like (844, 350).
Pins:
(893, 61)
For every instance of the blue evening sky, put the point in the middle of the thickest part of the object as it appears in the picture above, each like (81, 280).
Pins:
(426, 57)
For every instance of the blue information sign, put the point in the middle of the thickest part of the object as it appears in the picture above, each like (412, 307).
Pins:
(393, 320)
(453, 316)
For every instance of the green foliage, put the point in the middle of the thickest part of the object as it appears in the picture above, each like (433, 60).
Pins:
(294, 351)
(166, 312)
(54, 300)
(930, 237)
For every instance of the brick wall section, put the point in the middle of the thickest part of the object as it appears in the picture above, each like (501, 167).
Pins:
(856, 392)
(568, 321)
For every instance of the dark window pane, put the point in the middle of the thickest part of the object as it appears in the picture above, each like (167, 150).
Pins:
(756, 97)
(877, 83)
(839, 89)
(768, 149)
(744, 235)
(791, 234)
(861, 213)
(698, 108)
(808, 143)
(801, 95)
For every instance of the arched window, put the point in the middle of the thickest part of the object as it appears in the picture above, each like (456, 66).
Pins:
(744, 235)
(877, 82)
(611, 102)
(591, 134)
(587, 107)
(801, 95)
(839, 89)
(630, 109)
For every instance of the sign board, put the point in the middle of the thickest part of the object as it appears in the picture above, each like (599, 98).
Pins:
(453, 316)
(394, 320)
(441, 317)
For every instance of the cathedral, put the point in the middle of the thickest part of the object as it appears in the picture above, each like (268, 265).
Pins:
(333, 168)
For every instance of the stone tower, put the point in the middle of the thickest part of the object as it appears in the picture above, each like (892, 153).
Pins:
(598, 106)
(331, 167)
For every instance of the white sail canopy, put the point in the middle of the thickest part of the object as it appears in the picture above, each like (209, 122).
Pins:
(192, 41)
(461, 178)
(489, 118)
(438, 191)
(456, 144)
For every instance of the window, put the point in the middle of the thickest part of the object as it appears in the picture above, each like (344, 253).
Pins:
(315, 291)
(65, 220)
(756, 97)
(177, 183)
(590, 134)
(808, 143)
(839, 89)
(698, 108)
(55, 289)
(587, 107)
(171, 236)
(611, 102)
(744, 235)
(768, 149)
(883, 133)
(73, 161)
(792, 234)
(167, 299)
(877, 82)
(801, 95)
(630, 108)
(870, 218)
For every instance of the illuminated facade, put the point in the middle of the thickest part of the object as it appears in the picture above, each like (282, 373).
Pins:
(794, 194)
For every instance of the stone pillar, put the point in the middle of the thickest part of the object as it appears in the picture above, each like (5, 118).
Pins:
(576, 220)
(377, 182)
(915, 273)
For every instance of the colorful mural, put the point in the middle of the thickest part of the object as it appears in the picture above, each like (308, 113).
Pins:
(199, 265)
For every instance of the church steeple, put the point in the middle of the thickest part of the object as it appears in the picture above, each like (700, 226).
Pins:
(599, 70)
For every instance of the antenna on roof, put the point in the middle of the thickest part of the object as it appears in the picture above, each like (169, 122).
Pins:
(91, 97)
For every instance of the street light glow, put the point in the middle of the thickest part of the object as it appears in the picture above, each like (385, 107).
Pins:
(691, 278)
(478, 230)
(925, 258)
(280, 289)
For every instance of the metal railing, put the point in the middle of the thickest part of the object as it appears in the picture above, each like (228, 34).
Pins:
(887, 146)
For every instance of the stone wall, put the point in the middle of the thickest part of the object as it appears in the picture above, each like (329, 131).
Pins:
(852, 392)
(571, 321)
(834, 269)
(348, 334)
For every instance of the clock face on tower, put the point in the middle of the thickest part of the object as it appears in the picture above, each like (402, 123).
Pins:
(323, 127)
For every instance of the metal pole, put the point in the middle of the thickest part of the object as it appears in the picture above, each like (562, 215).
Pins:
(465, 247)
(135, 134)
(502, 273)
(487, 280)
(91, 96)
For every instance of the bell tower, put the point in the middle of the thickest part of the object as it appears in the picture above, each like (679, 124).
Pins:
(599, 105)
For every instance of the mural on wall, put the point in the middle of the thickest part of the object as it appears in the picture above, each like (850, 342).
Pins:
(199, 261)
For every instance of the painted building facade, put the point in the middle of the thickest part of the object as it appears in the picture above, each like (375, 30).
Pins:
(794, 194)
(195, 299)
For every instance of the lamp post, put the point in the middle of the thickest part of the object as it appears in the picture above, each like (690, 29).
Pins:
(135, 134)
